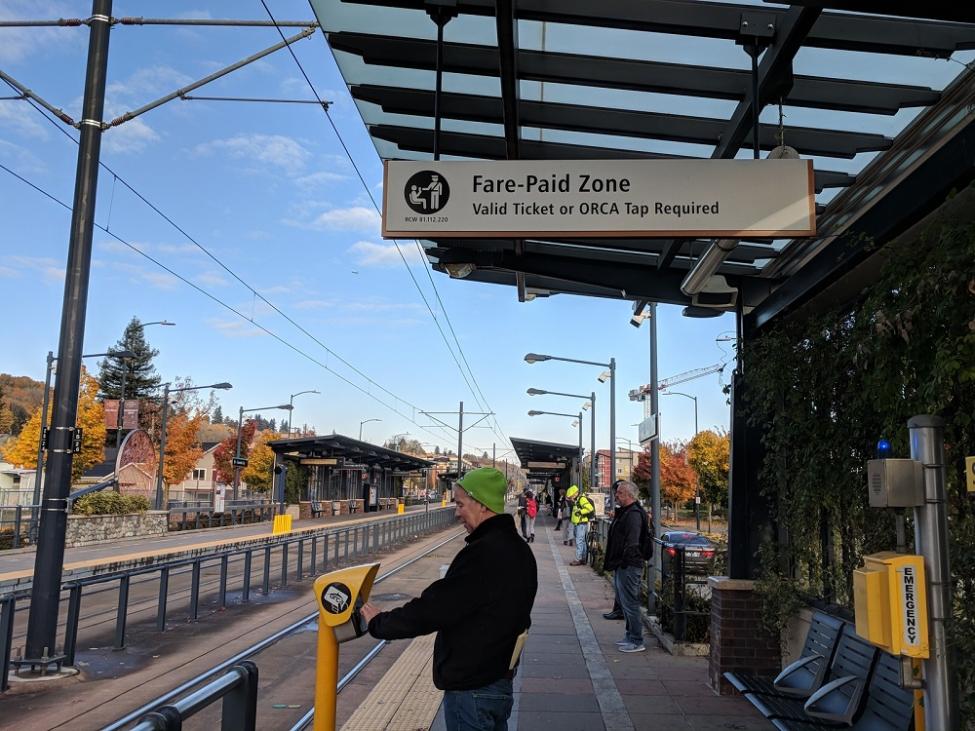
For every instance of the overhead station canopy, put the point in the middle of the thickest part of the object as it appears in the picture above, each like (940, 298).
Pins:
(577, 80)
(345, 450)
(541, 460)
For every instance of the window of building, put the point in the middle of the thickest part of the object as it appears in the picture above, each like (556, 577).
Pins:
(199, 474)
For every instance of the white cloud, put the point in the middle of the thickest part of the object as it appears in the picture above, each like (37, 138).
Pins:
(369, 253)
(24, 160)
(279, 150)
(148, 80)
(212, 279)
(353, 218)
(8, 272)
(17, 44)
(235, 328)
(160, 280)
(20, 118)
(132, 136)
(179, 249)
(50, 269)
(323, 177)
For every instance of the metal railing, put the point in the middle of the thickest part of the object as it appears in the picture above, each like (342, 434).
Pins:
(238, 689)
(203, 515)
(675, 591)
(15, 523)
(312, 551)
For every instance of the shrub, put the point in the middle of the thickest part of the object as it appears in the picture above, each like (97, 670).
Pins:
(110, 503)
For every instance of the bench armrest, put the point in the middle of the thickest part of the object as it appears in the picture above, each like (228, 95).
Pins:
(838, 714)
(792, 667)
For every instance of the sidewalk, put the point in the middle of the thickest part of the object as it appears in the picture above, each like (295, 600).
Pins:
(573, 678)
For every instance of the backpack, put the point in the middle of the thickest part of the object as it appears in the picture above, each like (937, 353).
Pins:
(531, 507)
(646, 536)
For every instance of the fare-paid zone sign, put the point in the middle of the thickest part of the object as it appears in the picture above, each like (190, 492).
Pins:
(521, 198)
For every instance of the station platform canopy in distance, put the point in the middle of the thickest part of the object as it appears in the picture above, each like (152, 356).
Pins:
(541, 460)
(338, 450)
(883, 106)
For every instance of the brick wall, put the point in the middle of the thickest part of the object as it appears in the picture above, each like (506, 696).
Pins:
(739, 641)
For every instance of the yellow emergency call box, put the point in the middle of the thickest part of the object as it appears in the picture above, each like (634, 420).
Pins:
(890, 603)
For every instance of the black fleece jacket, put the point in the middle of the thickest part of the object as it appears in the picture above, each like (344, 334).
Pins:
(623, 540)
(478, 609)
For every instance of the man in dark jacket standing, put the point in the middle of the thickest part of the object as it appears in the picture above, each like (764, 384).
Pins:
(478, 610)
(624, 558)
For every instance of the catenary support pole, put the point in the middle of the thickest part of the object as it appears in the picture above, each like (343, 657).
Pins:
(460, 441)
(120, 417)
(931, 541)
(612, 420)
(39, 469)
(240, 428)
(46, 591)
(592, 443)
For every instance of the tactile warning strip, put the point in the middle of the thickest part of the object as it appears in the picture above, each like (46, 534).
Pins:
(405, 699)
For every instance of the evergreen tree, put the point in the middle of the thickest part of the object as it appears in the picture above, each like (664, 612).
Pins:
(272, 425)
(141, 379)
(217, 417)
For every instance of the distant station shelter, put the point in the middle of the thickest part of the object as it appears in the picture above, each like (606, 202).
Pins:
(340, 467)
(549, 466)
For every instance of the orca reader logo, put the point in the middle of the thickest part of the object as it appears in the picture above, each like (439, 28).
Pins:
(427, 192)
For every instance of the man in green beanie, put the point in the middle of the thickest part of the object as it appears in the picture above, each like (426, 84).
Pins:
(478, 609)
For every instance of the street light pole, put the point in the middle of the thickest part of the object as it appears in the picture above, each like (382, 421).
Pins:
(365, 421)
(162, 437)
(240, 428)
(697, 479)
(291, 403)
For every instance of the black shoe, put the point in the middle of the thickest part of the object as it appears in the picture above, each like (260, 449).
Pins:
(532, 539)
(612, 615)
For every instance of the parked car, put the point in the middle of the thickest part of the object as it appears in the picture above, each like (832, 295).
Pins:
(698, 551)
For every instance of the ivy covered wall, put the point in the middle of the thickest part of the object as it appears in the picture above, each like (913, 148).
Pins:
(824, 389)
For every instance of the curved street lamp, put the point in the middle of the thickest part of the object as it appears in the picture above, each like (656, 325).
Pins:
(365, 421)
(578, 423)
(291, 403)
(240, 428)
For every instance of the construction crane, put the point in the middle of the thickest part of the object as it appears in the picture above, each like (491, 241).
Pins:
(643, 392)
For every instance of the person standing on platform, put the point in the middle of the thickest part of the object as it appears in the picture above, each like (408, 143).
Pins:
(480, 610)
(582, 512)
(522, 513)
(625, 558)
(531, 510)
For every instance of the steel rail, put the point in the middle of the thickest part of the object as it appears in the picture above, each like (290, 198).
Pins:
(254, 649)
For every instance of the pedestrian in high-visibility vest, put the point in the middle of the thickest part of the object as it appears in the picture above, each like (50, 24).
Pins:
(582, 512)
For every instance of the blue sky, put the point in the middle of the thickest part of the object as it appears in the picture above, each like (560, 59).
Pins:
(269, 191)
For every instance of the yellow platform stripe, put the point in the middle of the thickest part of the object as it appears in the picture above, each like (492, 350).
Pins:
(405, 699)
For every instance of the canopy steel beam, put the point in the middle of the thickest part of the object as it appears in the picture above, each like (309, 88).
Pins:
(950, 10)
(618, 73)
(844, 31)
(488, 147)
(507, 35)
(614, 121)
(776, 65)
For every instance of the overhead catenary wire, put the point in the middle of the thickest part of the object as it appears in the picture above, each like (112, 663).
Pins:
(229, 307)
(375, 205)
(233, 274)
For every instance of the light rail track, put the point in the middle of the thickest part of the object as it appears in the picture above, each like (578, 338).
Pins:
(258, 647)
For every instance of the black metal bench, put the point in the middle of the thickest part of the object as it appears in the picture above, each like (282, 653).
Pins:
(888, 706)
(316, 508)
(806, 675)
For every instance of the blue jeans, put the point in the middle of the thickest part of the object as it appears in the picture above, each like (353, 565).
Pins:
(481, 709)
(626, 581)
(581, 530)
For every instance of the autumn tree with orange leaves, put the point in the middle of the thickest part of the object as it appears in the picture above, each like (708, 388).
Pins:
(677, 479)
(183, 448)
(224, 453)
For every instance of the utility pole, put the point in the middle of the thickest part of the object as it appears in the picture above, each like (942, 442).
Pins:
(46, 591)
(494, 455)
(460, 441)
(654, 454)
(39, 470)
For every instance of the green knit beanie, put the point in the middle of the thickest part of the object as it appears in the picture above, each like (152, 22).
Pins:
(486, 485)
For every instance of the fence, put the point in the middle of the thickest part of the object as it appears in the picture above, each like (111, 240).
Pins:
(679, 592)
(310, 549)
(186, 515)
(14, 524)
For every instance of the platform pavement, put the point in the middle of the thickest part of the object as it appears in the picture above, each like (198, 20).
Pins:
(13, 562)
(573, 678)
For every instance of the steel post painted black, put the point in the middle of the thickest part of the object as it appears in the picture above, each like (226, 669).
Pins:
(158, 503)
(121, 614)
(346, 546)
(245, 592)
(266, 584)
(314, 556)
(223, 582)
(8, 607)
(438, 91)
(163, 600)
(301, 560)
(680, 618)
(284, 564)
(46, 591)
(195, 592)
